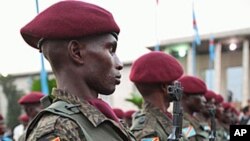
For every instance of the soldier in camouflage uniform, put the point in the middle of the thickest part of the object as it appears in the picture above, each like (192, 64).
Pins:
(79, 40)
(193, 101)
(151, 74)
(222, 128)
(3, 137)
(31, 105)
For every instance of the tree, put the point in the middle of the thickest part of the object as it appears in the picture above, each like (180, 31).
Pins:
(36, 85)
(136, 99)
(12, 94)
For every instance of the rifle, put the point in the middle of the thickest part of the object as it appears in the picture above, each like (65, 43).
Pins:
(212, 134)
(175, 91)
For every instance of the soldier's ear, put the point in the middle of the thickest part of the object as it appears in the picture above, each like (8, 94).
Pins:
(164, 88)
(74, 49)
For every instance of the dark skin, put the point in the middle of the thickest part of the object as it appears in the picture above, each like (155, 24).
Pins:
(85, 67)
(208, 105)
(193, 103)
(32, 109)
(155, 94)
(219, 112)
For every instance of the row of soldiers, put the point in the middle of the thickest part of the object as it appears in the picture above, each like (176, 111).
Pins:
(79, 40)
(201, 107)
(199, 114)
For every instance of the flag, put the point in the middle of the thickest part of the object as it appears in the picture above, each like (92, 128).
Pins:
(195, 27)
(56, 139)
(151, 139)
(43, 72)
(211, 48)
(188, 131)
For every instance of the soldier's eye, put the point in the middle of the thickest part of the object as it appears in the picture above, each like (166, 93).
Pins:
(112, 48)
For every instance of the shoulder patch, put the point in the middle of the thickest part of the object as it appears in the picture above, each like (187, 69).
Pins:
(206, 128)
(56, 139)
(45, 125)
(138, 122)
(151, 139)
(188, 131)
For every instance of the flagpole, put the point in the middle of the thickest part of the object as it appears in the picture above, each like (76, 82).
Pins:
(196, 41)
(211, 59)
(157, 45)
(194, 57)
(43, 73)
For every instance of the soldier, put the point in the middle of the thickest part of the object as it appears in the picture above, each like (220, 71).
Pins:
(204, 115)
(193, 101)
(152, 73)
(222, 128)
(31, 103)
(32, 106)
(3, 137)
(19, 130)
(79, 40)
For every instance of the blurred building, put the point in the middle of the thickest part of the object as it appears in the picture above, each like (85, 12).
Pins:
(224, 67)
(226, 72)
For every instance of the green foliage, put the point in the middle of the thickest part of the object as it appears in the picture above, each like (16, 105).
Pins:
(36, 85)
(12, 95)
(136, 99)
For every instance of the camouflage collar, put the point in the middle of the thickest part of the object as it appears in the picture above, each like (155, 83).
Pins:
(161, 117)
(92, 113)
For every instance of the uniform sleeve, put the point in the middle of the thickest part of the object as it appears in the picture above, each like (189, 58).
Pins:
(143, 131)
(55, 128)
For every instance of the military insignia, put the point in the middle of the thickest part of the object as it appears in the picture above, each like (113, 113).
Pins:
(56, 139)
(151, 139)
(207, 128)
(188, 131)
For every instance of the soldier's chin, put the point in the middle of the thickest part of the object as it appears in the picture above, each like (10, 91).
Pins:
(108, 92)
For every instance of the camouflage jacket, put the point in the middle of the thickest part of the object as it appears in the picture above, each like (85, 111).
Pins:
(151, 123)
(222, 131)
(54, 127)
(192, 129)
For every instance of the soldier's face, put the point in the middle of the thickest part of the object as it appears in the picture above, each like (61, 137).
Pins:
(197, 102)
(102, 64)
(219, 111)
(32, 109)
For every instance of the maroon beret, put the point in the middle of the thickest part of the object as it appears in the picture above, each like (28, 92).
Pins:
(24, 118)
(226, 105)
(209, 95)
(118, 112)
(234, 110)
(219, 99)
(155, 67)
(33, 97)
(129, 113)
(193, 85)
(69, 19)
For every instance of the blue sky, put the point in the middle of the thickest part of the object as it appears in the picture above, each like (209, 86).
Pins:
(142, 23)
